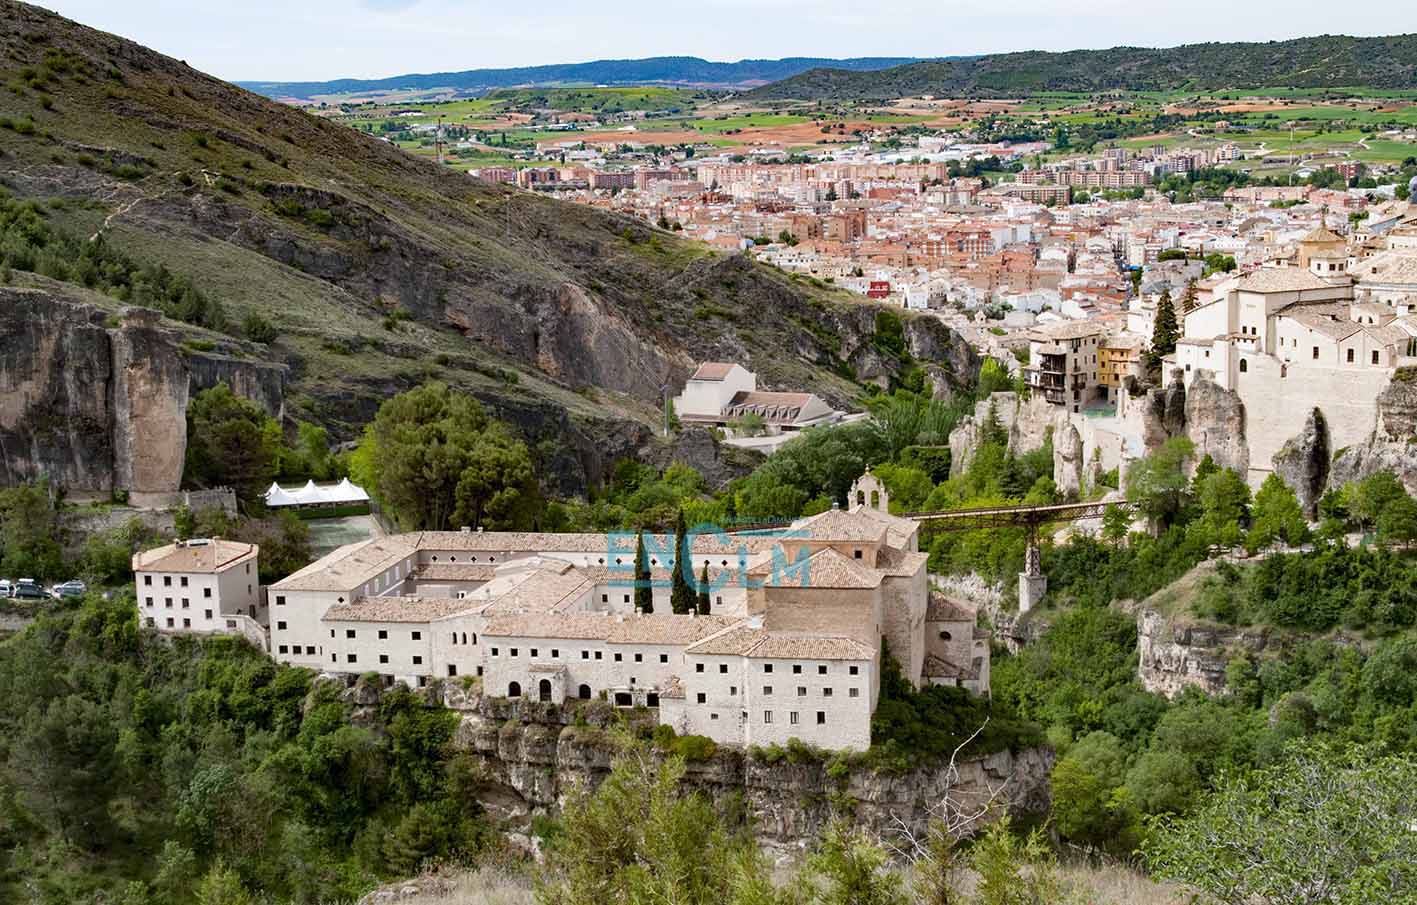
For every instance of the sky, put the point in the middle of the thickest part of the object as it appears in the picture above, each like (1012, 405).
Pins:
(317, 40)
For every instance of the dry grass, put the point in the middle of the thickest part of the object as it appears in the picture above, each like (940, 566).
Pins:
(1102, 885)
(1119, 885)
(484, 886)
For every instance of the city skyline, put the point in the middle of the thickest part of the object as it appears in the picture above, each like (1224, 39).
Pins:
(329, 39)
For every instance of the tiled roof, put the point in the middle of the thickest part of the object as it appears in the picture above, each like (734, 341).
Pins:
(439, 571)
(1281, 279)
(810, 647)
(667, 629)
(734, 642)
(939, 668)
(839, 524)
(826, 569)
(899, 530)
(350, 566)
(398, 609)
(571, 626)
(774, 408)
(204, 556)
(541, 591)
(712, 370)
(900, 562)
(947, 609)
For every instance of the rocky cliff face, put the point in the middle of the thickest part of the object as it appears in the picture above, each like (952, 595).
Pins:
(1303, 462)
(1176, 654)
(97, 402)
(534, 754)
(1214, 420)
(1027, 422)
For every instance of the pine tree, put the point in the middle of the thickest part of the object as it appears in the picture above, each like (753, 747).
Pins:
(1164, 335)
(644, 592)
(681, 596)
(704, 592)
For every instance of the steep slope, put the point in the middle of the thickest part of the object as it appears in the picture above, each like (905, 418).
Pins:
(1320, 62)
(379, 270)
(689, 71)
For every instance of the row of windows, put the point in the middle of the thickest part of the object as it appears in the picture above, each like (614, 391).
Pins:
(295, 648)
(383, 658)
(792, 717)
(535, 652)
(702, 697)
(796, 669)
(167, 602)
(383, 633)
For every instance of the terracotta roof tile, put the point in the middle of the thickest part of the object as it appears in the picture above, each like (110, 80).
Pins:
(198, 556)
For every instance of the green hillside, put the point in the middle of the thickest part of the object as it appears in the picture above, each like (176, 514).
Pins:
(1326, 61)
(376, 271)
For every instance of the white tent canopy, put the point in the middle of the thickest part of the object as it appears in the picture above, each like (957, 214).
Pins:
(313, 494)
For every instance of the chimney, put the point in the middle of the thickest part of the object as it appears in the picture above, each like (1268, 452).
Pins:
(835, 505)
(479, 529)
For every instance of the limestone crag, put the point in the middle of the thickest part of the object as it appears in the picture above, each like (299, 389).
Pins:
(1068, 455)
(97, 402)
(1028, 423)
(1303, 462)
(534, 754)
(1393, 446)
(1214, 421)
(1174, 655)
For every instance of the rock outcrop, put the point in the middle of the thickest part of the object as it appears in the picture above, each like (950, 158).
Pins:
(1214, 420)
(1394, 443)
(1303, 462)
(1068, 461)
(1174, 655)
(534, 754)
(97, 402)
(1027, 422)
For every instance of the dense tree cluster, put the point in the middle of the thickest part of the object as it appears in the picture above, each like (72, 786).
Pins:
(166, 768)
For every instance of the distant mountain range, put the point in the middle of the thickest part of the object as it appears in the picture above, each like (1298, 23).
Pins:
(1327, 61)
(673, 71)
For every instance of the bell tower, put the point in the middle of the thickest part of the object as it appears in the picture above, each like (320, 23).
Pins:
(868, 492)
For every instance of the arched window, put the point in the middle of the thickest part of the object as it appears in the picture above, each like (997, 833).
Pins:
(543, 690)
(1244, 366)
(514, 690)
(584, 692)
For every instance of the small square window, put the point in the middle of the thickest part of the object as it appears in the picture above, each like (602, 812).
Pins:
(598, 655)
(383, 658)
(854, 693)
(150, 601)
(701, 698)
(854, 670)
(353, 658)
(585, 655)
(494, 651)
(284, 648)
(309, 650)
(767, 667)
(713, 716)
(533, 653)
(801, 691)
(555, 654)
(822, 669)
(383, 634)
(639, 658)
(733, 689)
(280, 626)
(512, 652)
(417, 636)
(186, 623)
(723, 669)
(349, 633)
(664, 658)
(618, 657)
(280, 600)
(207, 592)
(767, 691)
(797, 669)
(417, 660)
(698, 667)
(826, 692)
(184, 581)
(147, 579)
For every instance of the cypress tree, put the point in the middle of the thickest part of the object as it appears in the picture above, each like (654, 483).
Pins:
(681, 596)
(704, 592)
(1188, 299)
(644, 592)
(1164, 335)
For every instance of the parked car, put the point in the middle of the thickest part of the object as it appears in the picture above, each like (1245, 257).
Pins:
(71, 588)
(28, 588)
(6, 589)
